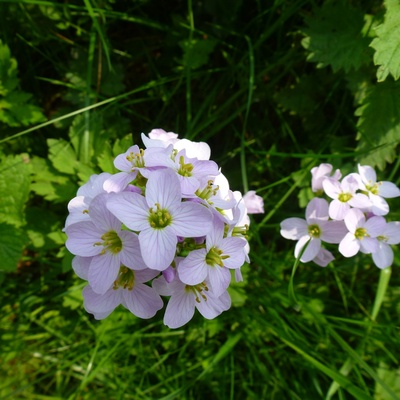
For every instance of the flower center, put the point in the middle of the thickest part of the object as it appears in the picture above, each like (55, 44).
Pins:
(159, 218)
(198, 291)
(344, 197)
(208, 191)
(314, 231)
(373, 188)
(361, 233)
(111, 242)
(184, 169)
(214, 257)
(125, 279)
(136, 159)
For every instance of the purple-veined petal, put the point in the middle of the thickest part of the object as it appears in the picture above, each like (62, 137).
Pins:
(192, 220)
(193, 269)
(219, 278)
(349, 246)
(214, 306)
(118, 182)
(82, 237)
(392, 232)
(121, 162)
(375, 226)
(360, 200)
(158, 247)
(338, 210)
(143, 301)
(131, 209)
(379, 205)
(388, 190)
(333, 231)
(103, 271)
(331, 187)
(234, 248)
(100, 304)
(215, 235)
(163, 187)
(253, 202)
(131, 255)
(354, 219)
(369, 245)
(383, 257)
(180, 309)
(162, 287)
(294, 228)
(323, 258)
(101, 216)
(145, 275)
(189, 184)
(310, 252)
(368, 174)
(81, 266)
(317, 209)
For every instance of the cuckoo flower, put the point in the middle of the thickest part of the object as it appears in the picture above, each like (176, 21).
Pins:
(362, 235)
(102, 239)
(253, 203)
(377, 191)
(130, 291)
(160, 216)
(320, 173)
(383, 256)
(214, 261)
(185, 298)
(314, 229)
(344, 196)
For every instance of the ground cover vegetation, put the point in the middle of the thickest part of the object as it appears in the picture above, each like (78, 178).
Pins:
(275, 88)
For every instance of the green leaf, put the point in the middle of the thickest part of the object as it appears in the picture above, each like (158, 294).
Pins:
(387, 43)
(15, 109)
(11, 246)
(62, 155)
(14, 188)
(335, 37)
(196, 52)
(391, 377)
(379, 125)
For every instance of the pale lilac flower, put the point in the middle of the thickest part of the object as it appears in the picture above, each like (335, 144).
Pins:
(102, 239)
(185, 298)
(377, 191)
(383, 256)
(362, 235)
(344, 196)
(160, 217)
(314, 229)
(160, 134)
(320, 173)
(130, 291)
(253, 203)
(213, 262)
(78, 207)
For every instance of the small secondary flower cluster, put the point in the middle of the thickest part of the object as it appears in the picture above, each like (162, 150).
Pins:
(354, 218)
(169, 218)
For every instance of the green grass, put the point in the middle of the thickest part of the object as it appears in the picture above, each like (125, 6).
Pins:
(232, 74)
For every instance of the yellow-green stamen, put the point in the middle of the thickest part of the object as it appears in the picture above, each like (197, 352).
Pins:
(214, 257)
(136, 159)
(198, 291)
(184, 169)
(111, 242)
(125, 279)
(159, 218)
(314, 231)
(345, 197)
(361, 233)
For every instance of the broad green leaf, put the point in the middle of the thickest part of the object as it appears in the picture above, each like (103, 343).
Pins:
(196, 52)
(62, 156)
(379, 125)
(11, 246)
(51, 184)
(387, 43)
(334, 37)
(15, 181)
(15, 109)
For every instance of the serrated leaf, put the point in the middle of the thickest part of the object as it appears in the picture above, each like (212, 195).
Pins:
(62, 155)
(196, 52)
(387, 43)
(379, 125)
(11, 246)
(14, 188)
(334, 37)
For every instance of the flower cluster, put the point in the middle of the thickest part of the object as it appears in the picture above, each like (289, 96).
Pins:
(353, 219)
(167, 224)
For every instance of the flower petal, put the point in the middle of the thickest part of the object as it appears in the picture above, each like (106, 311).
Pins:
(338, 210)
(82, 237)
(193, 269)
(349, 246)
(100, 305)
(219, 278)
(317, 209)
(294, 228)
(388, 190)
(163, 187)
(180, 309)
(131, 255)
(103, 271)
(311, 251)
(383, 257)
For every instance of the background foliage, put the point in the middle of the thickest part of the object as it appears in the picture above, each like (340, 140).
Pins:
(275, 88)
